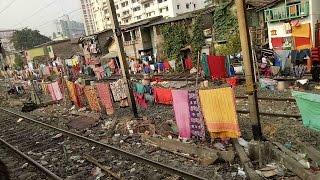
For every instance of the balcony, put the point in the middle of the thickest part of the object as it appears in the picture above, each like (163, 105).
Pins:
(287, 12)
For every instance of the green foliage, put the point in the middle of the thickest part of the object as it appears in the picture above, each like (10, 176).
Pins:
(18, 61)
(28, 38)
(175, 38)
(224, 22)
(232, 46)
(198, 38)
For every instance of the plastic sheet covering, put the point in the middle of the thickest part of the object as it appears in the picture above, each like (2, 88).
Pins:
(309, 106)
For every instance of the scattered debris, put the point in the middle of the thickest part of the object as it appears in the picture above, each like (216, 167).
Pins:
(104, 168)
(57, 136)
(19, 120)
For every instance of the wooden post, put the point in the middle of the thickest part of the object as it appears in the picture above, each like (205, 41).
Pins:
(249, 70)
(123, 63)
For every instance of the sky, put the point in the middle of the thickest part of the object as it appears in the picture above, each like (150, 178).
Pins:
(37, 14)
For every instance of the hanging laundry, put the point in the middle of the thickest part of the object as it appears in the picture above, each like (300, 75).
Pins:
(44, 87)
(99, 72)
(162, 95)
(302, 43)
(219, 111)
(139, 95)
(196, 119)
(166, 65)
(55, 91)
(309, 105)
(205, 66)
(172, 64)
(92, 98)
(72, 93)
(79, 95)
(277, 43)
(105, 97)
(217, 67)
(188, 63)
(118, 90)
(140, 100)
(140, 88)
(303, 30)
(182, 115)
(287, 27)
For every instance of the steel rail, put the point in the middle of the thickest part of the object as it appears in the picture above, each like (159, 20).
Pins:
(271, 114)
(268, 98)
(111, 148)
(39, 166)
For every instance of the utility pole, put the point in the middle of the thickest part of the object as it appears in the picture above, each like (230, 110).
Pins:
(249, 70)
(123, 63)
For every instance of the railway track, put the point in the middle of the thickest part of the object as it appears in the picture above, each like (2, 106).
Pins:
(49, 147)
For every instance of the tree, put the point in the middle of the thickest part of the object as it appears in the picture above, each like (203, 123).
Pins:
(198, 38)
(18, 61)
(175, 37)
(28, 38)
(232, 46)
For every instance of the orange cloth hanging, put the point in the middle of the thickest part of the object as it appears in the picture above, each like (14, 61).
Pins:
(92, 98)
(219, 111)
(303, 30)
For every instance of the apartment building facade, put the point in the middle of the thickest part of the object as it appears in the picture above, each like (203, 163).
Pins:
(131, 11)
(89, 24)
(69, 28)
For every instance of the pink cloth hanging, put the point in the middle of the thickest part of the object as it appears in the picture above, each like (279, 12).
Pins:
(55, 91)
(181, 111)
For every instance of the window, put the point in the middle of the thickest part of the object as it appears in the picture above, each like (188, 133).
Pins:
(178, 6)
(117, 7)
(126, 21)
(164, 9)
(133, 1)
(194, 5)
(118, 15)
(106, 11)
(124, 4)
(125, 12)
(161, 1)
(147, 5)
(138, 17)
(187, 6)
(127, 36)
(136, 8)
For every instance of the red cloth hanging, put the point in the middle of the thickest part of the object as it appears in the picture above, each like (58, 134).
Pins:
(217, 67)
(188, 63)
(162, 95)
(166, 65)
(302, 43)
(277, 43)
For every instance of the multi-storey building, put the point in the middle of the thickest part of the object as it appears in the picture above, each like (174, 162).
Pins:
(69, 28)
(5, 37)
(131, 11)
(7, 45)
(88, 16)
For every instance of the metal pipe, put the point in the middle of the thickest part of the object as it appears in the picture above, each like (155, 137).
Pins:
(249, 71)
(48, 172)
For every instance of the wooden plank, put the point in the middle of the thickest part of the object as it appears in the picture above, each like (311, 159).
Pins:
(104, 168)
(291, 164)
(311, 151)
(245, 160)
